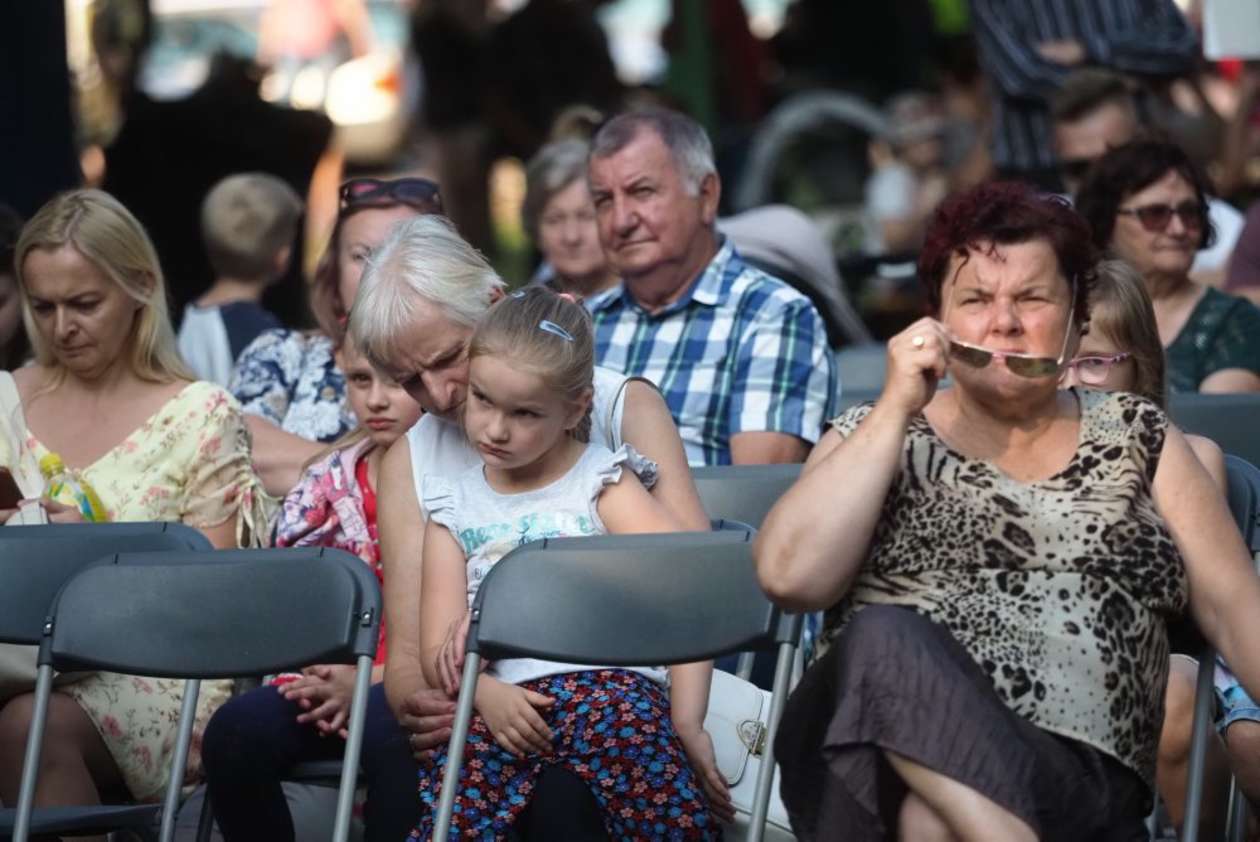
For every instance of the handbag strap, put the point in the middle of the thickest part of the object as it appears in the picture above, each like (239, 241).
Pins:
(615, 439)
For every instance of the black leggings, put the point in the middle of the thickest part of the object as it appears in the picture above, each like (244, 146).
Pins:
(254, 738)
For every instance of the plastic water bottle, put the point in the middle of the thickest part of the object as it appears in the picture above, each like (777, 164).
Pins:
(68, 489)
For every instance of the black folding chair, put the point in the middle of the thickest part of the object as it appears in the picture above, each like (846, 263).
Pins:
(1232, 421)
(35, 561)
(1244, 503)
(217, 615)
(743, 493)
(624, 600)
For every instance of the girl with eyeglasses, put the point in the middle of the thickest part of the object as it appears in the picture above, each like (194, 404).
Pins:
(1146, 202)
(1122, 353)
(288, 381)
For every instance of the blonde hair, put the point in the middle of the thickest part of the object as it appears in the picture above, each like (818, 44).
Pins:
(423, 258)
(247, 219)
(1121, 309)
(106, 234)
(548, 333)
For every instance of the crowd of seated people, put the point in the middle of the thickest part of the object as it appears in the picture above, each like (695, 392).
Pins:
(997, 560)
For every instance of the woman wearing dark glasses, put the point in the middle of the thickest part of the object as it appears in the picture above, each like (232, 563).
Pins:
(287, 381)
(998, 562)
(1146, 202)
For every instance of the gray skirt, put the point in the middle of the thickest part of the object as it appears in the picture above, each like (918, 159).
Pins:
(895, 680)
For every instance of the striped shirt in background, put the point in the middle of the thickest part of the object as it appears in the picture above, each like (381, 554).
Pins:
(739, 352)
(1142, 37)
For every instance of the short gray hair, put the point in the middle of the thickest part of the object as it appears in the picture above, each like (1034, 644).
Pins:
(423, 258)
(686, 140)
(553, 169)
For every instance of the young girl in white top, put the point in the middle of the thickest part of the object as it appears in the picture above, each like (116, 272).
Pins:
(634, 735)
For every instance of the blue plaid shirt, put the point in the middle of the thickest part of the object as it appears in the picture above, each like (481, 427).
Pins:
(739, 352)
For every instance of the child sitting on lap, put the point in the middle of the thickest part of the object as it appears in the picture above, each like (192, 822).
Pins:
(634, 735)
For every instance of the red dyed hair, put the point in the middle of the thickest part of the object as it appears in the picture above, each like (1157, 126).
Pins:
(1007, 213)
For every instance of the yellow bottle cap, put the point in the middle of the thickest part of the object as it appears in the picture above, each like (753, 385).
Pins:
(50, 465)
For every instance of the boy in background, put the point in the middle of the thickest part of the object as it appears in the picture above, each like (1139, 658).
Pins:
(248, 225)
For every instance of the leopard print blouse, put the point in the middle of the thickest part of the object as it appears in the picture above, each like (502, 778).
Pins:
(1059, 589)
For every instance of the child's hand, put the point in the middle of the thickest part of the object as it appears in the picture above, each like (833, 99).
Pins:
(60, 512)
(324, 693)
(450, 658)
(509, 712)
(699, 748)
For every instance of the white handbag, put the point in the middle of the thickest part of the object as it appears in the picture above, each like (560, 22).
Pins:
(736, 720)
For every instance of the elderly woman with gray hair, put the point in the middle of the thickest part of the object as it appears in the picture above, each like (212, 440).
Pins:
(560, 217)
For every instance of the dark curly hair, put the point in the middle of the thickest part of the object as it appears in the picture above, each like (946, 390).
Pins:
(1129, 169)
(1007, 213)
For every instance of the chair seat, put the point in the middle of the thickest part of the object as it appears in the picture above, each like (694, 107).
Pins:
(319, 771)
(84, 821)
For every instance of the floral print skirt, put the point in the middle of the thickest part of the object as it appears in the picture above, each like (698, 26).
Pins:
(138, 718)
(612, 728)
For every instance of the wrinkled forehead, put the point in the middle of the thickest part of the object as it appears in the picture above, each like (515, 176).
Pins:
(1012, 268)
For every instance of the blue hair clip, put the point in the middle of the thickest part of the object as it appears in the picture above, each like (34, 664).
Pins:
(520, 293)
(555, 330)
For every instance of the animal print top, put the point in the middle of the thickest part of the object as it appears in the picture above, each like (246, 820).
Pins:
(1059, 589)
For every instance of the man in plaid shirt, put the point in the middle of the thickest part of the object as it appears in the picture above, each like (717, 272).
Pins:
(740, 357)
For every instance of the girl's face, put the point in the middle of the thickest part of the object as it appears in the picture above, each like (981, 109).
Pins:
(82, 315)
(512, 416)
(1095, 358)
(380, 404)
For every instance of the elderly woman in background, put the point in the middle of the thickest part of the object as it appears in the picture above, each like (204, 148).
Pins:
(998, 562)
(1146, 202)
(109, 394)
(560, 217)
(287, 380)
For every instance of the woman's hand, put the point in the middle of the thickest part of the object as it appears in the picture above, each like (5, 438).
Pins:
(324, 692)
(60, 512)
(511, 714)
(450, 657)
(428, 715)
(917, 360)
(698, 746)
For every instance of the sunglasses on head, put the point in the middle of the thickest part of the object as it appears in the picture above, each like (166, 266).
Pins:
(1155, 217)
(418, 193)
(1023, 365)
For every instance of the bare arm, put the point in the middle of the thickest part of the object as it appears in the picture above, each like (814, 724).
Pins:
(816, 537)
(278, 455)
(650, 429)
(767, 449)
(444, 600)
(402, 535)
(1224, 588)
(223, 536)
(1229, 381)
(627, 508)
(1211, 458)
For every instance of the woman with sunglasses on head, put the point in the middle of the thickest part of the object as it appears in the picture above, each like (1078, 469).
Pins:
(287, 380)
(1146, 202)
(998, 562)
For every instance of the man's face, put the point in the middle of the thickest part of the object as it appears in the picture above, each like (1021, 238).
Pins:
(1078, 143)
(648, 220)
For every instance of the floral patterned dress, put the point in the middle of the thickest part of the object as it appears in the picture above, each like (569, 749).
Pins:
(189, 462)
(291, 378)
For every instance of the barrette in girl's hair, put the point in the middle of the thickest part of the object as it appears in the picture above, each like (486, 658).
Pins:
(567, 296)
(555, 330)
(520, 293)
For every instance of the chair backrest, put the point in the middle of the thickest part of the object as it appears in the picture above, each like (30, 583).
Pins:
(629, 600)
(743, 493)
(228, 613)
(1232, 421)
(35, 561)
(1244, 498)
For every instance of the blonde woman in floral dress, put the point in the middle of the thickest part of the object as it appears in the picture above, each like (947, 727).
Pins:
(109, 394)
